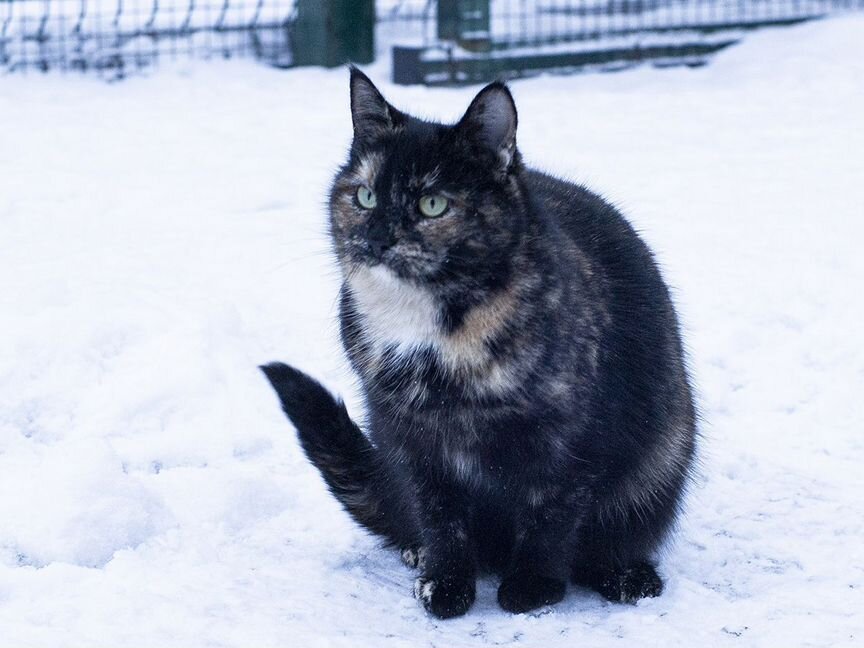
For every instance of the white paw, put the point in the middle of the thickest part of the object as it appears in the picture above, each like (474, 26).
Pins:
(414, 558)
(424, 589)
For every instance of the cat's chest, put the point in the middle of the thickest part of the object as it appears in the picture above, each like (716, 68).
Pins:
(402, 344)
(396, 317)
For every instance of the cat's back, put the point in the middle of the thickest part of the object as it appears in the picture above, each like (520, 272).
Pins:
(597, 228)
(581, 222)
(623, 275)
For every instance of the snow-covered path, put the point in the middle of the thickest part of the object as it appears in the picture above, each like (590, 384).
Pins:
(161, 237)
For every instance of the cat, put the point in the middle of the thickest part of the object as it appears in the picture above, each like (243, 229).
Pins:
(529, 409)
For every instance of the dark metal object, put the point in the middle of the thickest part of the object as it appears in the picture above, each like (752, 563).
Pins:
(437, 41)
(479, 40)
(334, 32)
(117, 36)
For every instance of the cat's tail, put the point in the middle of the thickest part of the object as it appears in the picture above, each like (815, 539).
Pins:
(350, 464)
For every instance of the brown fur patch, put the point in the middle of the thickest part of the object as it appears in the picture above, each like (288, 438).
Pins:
(346, 214)
(482, 323)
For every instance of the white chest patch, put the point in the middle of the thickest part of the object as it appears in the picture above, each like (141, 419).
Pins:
(396, 313)
(404, 317)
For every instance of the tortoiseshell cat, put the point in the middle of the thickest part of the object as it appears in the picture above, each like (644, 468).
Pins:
(529, 412)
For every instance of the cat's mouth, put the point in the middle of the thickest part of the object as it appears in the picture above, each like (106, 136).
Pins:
(406, 260)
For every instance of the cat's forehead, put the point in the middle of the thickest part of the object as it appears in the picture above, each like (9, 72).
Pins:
(410, 173)
(367, 167)
(414, 157)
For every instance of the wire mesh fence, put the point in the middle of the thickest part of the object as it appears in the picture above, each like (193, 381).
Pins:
(515, 23)
(435, 40)
(119, 34)
(477, 39)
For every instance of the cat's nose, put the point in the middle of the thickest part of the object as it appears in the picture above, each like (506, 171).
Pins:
(379, 237)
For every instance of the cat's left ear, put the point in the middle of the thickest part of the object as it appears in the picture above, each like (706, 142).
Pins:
(491, 121)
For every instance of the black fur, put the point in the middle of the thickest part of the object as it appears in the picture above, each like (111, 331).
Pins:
(529, 408)
(330, 438)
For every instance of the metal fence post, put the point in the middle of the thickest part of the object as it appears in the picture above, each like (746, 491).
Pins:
(466, 22)
(333, 32)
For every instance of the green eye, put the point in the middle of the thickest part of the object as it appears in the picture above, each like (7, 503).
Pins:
(366, 198)
(433, 205)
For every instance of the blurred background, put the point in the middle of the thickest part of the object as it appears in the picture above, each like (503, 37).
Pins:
(425, 41)
(164, 173)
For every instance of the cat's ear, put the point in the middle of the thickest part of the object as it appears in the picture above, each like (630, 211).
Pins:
(371, 115)
(491, 122)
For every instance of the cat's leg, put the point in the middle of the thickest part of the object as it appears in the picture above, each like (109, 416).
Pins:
(613, 557)
(541, 565)
(621, 584)
(447, 584)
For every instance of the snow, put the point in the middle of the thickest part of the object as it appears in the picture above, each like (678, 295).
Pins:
(162, 236)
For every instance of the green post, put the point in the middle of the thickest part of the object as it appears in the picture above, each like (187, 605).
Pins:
(466, 22)
(333, 32)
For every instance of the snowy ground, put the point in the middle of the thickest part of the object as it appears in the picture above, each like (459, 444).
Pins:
(161, 237)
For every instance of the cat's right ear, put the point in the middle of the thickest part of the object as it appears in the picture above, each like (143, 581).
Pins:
(371, 115)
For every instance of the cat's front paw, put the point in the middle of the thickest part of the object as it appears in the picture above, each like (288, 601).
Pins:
(524, 591)
(413, 557)
(629, 584)
(446, 596)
